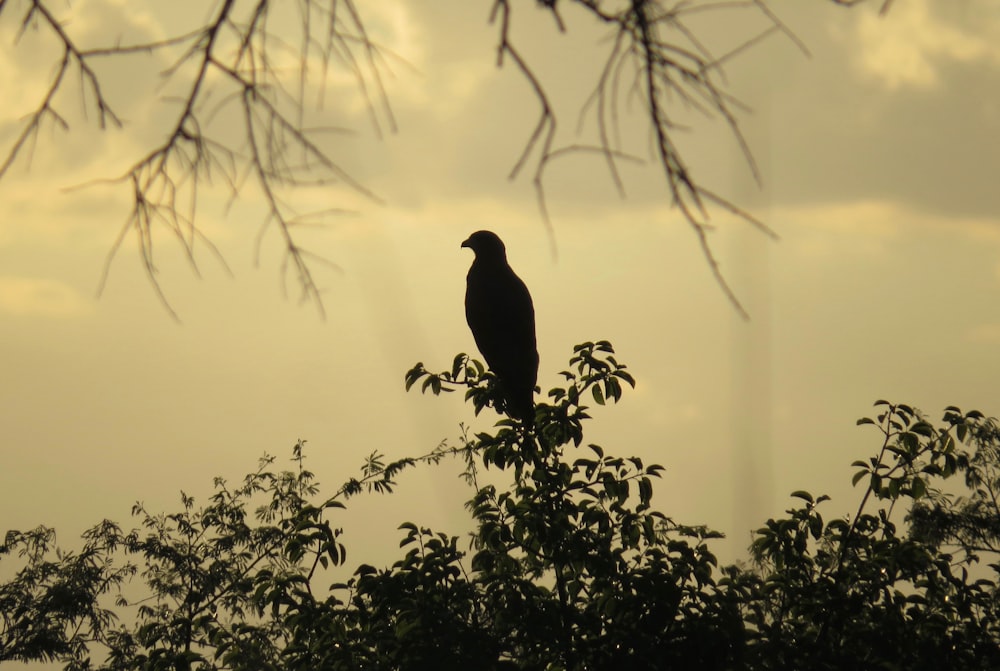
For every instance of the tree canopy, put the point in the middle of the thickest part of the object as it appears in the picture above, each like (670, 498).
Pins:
(570, 565)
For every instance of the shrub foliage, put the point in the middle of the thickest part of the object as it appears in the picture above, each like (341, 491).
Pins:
(569, 565)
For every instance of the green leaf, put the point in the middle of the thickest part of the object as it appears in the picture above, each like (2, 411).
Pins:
(612, 389)
(816, 526)
(625, 376)
(414, 374)
(645, 490)
(458, 364)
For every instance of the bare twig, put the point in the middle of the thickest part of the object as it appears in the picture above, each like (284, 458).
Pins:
(545, 129)
(232, 65)
(227, 65)
(644, 65)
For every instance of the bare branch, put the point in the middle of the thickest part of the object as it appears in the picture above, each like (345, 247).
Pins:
(71, 55)
(229, 70)
(241, 118)
(545, 129)
(658, 72)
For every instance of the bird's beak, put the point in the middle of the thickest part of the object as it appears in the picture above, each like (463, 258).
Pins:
(466, 244)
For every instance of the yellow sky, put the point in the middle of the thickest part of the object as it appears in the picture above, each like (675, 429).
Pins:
(879, 156)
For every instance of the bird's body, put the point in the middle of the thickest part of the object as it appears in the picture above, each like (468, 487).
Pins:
(501, 316)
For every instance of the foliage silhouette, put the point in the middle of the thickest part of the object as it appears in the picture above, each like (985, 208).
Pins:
(569, 565)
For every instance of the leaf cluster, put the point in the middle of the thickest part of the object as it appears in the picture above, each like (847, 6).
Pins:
(858, 592)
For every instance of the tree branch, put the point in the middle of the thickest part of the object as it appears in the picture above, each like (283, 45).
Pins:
(232, 62)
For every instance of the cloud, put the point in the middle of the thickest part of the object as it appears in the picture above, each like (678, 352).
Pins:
(827, 136)
(130, 86)
(829, 231)
(907, 48)
(29, 296)
(872, 227)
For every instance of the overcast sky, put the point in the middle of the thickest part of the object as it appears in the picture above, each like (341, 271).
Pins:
(879, 155)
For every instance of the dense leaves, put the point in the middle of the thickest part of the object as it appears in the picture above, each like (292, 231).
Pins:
(569, 564)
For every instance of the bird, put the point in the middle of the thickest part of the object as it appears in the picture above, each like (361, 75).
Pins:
(501, 317)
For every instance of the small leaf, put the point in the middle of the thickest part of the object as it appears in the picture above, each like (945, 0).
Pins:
(645, 490)
(457, 365)
(625, 376)
(816, 526)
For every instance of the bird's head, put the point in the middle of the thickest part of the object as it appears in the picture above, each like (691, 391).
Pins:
(486, 244)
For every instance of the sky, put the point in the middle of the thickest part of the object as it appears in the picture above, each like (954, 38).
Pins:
(878, 152)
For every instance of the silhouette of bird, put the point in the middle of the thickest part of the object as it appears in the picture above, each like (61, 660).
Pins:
(501, 316)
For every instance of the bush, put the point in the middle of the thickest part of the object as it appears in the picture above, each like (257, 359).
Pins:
(568, 567)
